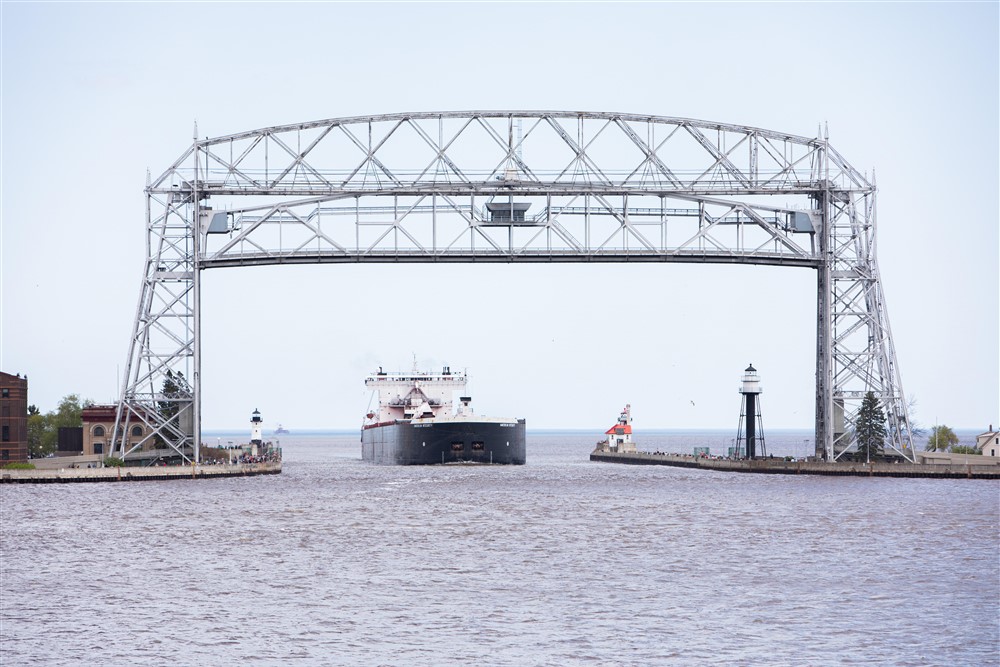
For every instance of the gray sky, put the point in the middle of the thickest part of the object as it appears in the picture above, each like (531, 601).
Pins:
(94, 94)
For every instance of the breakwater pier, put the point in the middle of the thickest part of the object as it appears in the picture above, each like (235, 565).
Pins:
(985, 470)
(138, 474)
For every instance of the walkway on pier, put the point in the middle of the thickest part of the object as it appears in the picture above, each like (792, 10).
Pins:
(989, 469)
(137, 474)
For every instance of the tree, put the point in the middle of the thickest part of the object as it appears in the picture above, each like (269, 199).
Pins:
(916, 430)
(174, 386)
(870, 428)
(940, 439)
(45, 428)
(965, 449)
(36, 433)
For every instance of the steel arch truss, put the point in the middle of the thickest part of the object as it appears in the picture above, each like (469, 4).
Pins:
(511, 186)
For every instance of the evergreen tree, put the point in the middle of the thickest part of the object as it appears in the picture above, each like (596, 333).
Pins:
(174, 387)
(870, 428)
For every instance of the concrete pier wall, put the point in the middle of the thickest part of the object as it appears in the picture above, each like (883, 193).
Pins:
(70, 475)
(989, 469)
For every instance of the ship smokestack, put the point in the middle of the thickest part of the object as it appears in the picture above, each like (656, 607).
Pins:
(465, 405)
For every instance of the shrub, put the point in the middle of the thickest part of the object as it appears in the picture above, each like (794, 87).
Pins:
(214, 454)
(113, 462)
(18, 465)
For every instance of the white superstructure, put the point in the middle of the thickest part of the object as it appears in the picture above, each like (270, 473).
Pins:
(416, 394)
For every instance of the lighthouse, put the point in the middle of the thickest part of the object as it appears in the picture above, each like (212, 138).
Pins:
(620, 435)
(750, 411)
(255, 427)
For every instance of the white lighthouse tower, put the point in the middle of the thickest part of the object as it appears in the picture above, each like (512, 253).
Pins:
(750, 412)
(256, 424)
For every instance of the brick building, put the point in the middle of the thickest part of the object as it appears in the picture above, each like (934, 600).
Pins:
(13, 418)
(98, 423)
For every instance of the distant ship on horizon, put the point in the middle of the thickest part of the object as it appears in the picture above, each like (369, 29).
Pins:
(281, 430)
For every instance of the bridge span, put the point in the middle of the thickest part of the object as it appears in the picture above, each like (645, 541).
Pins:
(511, 186)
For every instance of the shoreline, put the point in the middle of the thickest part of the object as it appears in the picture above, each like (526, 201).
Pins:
(137, 474)
(782, 467)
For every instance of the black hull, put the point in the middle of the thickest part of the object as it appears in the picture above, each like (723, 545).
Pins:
(405, 443)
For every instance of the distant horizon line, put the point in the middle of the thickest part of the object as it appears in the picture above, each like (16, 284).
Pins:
(595, 431)
(599, 430)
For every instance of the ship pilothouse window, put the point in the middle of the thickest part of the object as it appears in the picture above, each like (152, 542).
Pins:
(478, 446)
(457, 446)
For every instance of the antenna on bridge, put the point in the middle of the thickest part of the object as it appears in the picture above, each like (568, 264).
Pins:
(195, 129)
(511, 171)
(520, 140)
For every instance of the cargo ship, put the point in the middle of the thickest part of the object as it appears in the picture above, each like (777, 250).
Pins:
(417, 423)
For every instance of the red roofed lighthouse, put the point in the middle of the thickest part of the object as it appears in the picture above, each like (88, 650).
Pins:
(620, 435)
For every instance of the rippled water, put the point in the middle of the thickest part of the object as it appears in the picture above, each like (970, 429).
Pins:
(559, 562)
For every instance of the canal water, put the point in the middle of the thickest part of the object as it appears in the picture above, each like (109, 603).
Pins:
(558, 562)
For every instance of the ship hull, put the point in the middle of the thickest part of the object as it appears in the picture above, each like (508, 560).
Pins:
(452, 441)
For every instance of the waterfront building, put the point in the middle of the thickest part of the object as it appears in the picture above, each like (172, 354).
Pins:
(13, 418)
(98, 424)
(989, 443)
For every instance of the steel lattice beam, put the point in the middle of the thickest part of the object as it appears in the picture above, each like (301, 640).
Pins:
(512, 186)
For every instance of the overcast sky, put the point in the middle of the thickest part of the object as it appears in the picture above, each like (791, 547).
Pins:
(93, 95)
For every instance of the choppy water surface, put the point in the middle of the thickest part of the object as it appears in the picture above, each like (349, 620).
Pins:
(559, 562)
